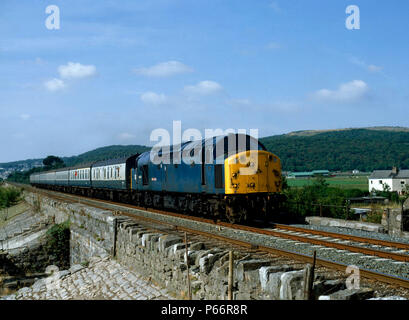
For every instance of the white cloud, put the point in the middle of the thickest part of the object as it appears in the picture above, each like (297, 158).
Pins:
(76, 70)
(239, 102)
(25, 116)
(153, 98)
(374, 68)
(361, 63)
(274, 46)
(275, 6)
(346, 92)
(204, 88)
(126, 136)
(39, 61)
(54, 84)
(164, 69)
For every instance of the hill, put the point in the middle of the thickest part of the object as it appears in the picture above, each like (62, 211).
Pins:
(365, 149)
(105, 153)
(111, 152)
(342, 150)
(303, 133)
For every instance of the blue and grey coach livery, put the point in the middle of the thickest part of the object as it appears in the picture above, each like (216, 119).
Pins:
(205, 182)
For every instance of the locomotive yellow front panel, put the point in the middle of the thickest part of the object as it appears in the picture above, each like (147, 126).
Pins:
(252, 172)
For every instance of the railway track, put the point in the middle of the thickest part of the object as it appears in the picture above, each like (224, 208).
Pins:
(296, 234)
(346, 237)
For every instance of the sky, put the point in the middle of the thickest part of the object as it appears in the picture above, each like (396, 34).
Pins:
(115, 71)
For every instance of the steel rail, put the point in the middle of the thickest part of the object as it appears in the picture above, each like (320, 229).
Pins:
(339, 246)
(369, 274)
(385, 243)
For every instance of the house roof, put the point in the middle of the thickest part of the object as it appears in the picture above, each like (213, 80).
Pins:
(387, 174)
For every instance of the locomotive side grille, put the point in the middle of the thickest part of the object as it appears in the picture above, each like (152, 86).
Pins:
(218, 176)
(145, 177)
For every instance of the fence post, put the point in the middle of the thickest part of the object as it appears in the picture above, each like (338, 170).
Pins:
(309, 276)
(187, 269)
(230, 283)
(321, 210)
(347, 210)
(312, 276)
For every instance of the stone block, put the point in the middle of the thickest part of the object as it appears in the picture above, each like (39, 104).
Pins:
(248, 265)
(292, 285)
(145, 238)
(75, 268)
(196, 246)
(265, 272)
(389, 298)
(206, 262)
(350, 294)
(328, 287)
(197, 255)
(168, 240)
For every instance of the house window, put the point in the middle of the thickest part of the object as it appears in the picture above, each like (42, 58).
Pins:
(402, 182)
(380, 181)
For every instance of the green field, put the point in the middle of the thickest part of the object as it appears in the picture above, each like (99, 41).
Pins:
(345, 182)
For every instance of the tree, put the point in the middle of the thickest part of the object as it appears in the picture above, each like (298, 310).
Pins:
(386, 187)
(53, 162)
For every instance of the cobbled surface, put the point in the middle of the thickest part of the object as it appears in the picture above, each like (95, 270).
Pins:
(103, 279)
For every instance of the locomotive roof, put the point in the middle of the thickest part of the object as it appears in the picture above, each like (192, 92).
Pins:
(209, 141)
(81, 166)
(110, 162)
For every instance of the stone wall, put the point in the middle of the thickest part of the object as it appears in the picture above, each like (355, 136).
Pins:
(92, 229)
(331, 222)
(161, 257)
(23, 261)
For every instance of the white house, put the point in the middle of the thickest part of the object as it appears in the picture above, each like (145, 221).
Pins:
(396, 179)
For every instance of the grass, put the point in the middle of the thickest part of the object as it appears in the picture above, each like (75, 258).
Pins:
(346, 182)
(12, 212)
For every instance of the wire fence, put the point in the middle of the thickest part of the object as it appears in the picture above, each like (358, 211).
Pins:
(350, 210)
(320, 209)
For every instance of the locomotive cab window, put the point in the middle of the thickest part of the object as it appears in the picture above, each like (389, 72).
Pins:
(145, 175)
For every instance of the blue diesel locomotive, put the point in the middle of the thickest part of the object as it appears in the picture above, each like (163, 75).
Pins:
(210, 181)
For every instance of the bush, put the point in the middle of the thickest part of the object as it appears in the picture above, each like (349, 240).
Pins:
(58, 243)
(375, 217)
(305, 201)
(9, 197)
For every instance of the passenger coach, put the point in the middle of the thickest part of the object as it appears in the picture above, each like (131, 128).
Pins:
(227, 177)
